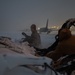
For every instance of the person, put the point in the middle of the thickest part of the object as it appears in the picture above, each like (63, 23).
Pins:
(66, 45)
(33, 40)
(67, 24)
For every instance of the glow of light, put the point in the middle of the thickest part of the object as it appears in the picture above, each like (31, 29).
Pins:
(38, 28)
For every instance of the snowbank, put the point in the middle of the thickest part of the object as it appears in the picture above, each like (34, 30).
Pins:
(8, 46)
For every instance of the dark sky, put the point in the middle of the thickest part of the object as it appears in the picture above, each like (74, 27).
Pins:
(20, 14)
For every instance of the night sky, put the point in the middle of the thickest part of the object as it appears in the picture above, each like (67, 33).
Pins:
(18, 15)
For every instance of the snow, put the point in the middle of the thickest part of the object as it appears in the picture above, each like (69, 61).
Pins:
(16, 54)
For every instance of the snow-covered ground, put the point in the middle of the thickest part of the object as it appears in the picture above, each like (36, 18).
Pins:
(46, 39)
(21, 54)
(13, 55)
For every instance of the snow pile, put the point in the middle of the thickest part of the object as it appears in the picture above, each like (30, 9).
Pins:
(7, 45)
(13, 55)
